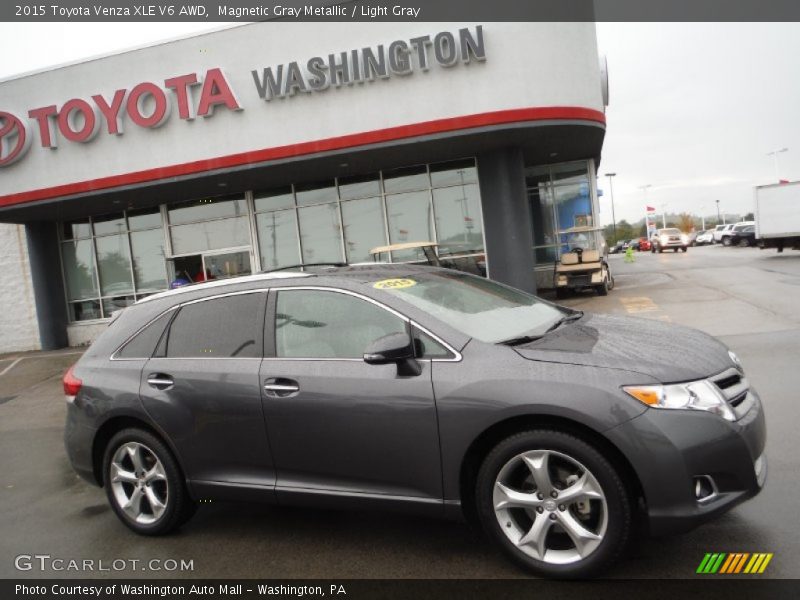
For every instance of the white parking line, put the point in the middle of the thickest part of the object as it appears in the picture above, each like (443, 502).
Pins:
(21, 358)
(11, 366)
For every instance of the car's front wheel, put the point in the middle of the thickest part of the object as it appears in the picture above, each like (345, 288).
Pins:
(143, 483)
(554, 504)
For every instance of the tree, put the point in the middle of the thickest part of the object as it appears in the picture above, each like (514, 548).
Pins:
(685, 222)
(749, 217)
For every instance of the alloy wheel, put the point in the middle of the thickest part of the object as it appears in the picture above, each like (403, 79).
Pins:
(550, 506)
(139, 483)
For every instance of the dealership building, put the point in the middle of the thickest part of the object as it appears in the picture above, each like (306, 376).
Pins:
(268, 145)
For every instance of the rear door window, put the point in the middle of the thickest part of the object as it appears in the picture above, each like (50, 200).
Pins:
(223, 327)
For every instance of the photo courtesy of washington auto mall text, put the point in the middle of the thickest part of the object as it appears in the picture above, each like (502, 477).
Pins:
(408, 299)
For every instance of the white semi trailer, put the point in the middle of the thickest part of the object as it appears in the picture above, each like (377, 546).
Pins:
(777, 213)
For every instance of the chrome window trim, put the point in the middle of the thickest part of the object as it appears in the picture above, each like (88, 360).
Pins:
(181, 305)
(114, 356)
(457, 356)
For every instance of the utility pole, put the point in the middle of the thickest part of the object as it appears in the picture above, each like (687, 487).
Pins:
(718, 217)
(646, 220)
(613, 216)
(774, 155)
(664, 215)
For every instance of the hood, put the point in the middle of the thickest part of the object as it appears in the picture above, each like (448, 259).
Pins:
(666, 352)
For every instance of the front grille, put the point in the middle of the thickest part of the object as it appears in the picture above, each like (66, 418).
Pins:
(735, 388)
(729, 381)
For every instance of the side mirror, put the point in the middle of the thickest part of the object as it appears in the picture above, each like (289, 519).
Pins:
(392, 348)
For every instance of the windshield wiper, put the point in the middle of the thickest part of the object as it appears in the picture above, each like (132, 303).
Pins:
(566, 319)
(523, 339)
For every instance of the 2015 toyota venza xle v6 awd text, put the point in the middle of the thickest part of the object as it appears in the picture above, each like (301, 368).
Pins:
(417, 388)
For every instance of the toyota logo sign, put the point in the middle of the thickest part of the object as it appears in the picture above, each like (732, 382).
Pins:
(14, 139)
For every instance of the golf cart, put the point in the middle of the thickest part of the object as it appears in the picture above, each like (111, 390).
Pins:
(583, 262)
(428, 254)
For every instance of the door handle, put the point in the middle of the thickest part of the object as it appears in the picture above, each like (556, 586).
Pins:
(281, 387)
(160, 381)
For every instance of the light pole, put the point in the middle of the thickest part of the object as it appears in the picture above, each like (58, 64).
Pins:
(718, 217)
(703, 218)
(664, 215)
(774, 155)
(613, 216)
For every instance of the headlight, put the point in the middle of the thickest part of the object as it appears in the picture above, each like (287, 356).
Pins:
(664, 239)
(685, 238)
(697, 395)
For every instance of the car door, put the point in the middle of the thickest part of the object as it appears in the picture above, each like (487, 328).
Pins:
(202, 389)
(339, 426)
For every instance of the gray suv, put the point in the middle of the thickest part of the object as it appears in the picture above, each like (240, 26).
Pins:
(418, 388)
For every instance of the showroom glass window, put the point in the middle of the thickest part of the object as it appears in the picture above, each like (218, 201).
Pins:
(341, 220)
(560, 197)
(110, 261)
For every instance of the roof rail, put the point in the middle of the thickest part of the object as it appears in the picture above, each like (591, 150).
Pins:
(223, 282)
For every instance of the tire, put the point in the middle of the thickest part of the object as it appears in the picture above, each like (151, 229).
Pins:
(562, 293)
(607, 520)
(133, 451)
(602, 289)
(684, 249)
(660, 250)
(726, 241)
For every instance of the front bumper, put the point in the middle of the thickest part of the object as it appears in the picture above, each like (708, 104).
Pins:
(670, 449)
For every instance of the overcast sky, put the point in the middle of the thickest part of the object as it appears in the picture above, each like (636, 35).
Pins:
(694, 108)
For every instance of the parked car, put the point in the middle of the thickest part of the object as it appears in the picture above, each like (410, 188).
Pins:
(719, 230)
(643, 245)
(617, 248)
(742, 235)
(670, 238)
(692, 236)
(726, 235)
(416, 388)
(704, 237)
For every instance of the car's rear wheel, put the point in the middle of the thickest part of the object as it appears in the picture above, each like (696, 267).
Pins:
(726, 241)
(660, 250)
(144, 484)
(554, 504)
(684, 248)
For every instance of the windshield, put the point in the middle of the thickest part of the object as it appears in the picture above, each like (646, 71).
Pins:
(475, 306)
(670, 232)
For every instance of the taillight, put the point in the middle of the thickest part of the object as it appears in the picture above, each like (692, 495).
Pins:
(72, 385)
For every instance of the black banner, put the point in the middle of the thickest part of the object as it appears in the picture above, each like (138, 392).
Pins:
(708, 588)
(398, 10)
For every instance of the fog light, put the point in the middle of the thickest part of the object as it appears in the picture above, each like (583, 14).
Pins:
(704, 488)
(760, 467)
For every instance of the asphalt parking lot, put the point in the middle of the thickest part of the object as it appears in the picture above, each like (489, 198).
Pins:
(746, 297)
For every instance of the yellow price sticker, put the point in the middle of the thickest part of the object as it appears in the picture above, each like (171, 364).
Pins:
(394, 284)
